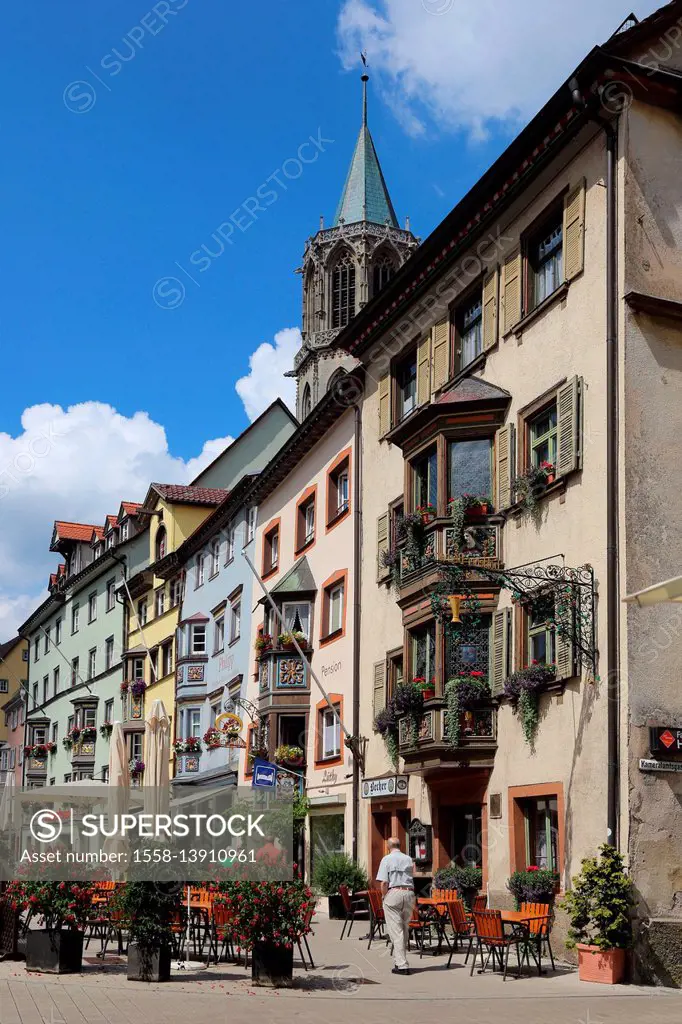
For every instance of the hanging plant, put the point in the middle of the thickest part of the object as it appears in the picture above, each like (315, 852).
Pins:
(390, 559)
(138, 688)
(427, 512)
(523, 689)
(412, 526)
(408, 699)
(530, 486)
(462, 694)
(105, 729)
(386, 724)
(476, 504)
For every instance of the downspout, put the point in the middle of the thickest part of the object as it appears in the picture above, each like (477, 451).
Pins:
(357, 586)
(612, 476)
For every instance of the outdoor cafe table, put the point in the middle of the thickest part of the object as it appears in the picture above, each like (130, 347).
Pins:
(435, 911)
(519, 917)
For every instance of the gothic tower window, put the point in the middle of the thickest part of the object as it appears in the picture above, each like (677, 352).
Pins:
(310, 324)
(343, 290)
(382, 272)
(306, 403)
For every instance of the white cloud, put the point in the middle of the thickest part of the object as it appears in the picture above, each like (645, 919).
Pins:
(266, 381)
(77, 463)
(468, 64)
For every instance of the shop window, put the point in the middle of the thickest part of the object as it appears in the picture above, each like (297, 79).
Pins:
(541, 833)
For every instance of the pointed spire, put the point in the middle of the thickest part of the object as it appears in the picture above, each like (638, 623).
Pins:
(365, 195)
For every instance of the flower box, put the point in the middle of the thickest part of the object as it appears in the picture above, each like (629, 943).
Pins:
(272, 965)
(54, 951)
(147, 964)
(604, 966)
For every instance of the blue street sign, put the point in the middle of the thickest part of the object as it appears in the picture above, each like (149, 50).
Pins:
(264, 774)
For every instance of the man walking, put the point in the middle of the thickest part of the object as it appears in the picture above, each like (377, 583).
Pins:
(397, 885)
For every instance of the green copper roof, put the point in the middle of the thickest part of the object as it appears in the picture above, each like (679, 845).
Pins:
(365, 196)
(298, 579)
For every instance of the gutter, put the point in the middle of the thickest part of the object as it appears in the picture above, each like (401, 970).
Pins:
(612, 476)
(357, 586)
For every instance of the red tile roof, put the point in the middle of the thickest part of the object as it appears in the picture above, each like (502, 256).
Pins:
(130, 507)
(98, 532)
(111, 521)
(189, 495)
(73, 531)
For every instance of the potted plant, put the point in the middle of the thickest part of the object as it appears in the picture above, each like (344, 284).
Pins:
(105, 729)
(332, 870)
(599, 907)
(212, 738)
(523, 689)
(390, 559)
(268, 918)
(89, 732)
(386, 724)
(51, 748)
(192, 745)
(125, 686)
(529, 485)
(263, 643)
(427, 513)
(136, 767)
(63, 908)
(138, 687)
(67, 743)
(534, 885)
(148, 907)
(74, 733)
(291, 755)
(467, 880)
(287, 638)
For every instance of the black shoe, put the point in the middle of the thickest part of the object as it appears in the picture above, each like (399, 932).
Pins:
(400, 970)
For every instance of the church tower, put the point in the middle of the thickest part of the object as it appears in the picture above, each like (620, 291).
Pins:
(344, 266)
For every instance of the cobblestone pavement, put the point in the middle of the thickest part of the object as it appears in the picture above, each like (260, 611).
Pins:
(349, 983)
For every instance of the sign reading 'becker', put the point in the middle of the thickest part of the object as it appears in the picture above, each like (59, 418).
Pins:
(396, 785)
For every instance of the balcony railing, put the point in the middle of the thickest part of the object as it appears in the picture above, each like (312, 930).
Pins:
(480, 546)
(477, 733)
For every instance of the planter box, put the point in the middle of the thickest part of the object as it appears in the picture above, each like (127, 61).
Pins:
(336, 909)
(152, 965)
(272, 965)
(54, 952)
(605, 966)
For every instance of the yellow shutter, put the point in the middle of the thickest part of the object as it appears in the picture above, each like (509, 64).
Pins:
(511, 292)
(379, 692)
(490, 290)
(499, 650)
(504, 446)
(424, 370)
(568, 426)
(574, 232)
(441, 353)
(383, 572)
(384, 404)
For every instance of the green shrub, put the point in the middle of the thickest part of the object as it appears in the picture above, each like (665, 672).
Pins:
(534, 885)
(334, 869)
(600, 903)
(466, 880)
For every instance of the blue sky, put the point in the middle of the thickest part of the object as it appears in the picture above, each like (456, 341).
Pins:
(132, 130)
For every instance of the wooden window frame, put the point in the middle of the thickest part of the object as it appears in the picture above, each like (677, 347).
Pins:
(341, 576)
(456, 310)
(309, 497)
(517, 827)
(410, 352)
(552, 212)
(343, 461)
(526, 416)
(392, 659)
(320, 708)
(270, 531)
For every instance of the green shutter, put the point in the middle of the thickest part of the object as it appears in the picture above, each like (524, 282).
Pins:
(383, 573)
(568, 440)
(499, 650)
(565, 617)
(505, 441)
(379, 694)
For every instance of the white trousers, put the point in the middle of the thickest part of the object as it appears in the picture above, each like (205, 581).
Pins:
(398, 906)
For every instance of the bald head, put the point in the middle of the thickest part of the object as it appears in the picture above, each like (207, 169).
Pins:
(393, 843)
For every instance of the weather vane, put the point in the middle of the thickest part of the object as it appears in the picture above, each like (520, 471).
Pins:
(363, 58)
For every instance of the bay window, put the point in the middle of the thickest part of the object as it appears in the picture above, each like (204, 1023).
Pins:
(470, 468)
(426, 479)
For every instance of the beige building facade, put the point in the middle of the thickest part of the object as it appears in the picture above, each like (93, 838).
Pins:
(521, 410)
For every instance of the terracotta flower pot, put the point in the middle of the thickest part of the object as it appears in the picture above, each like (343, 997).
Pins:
(550, 478)
(604, 966)
(429, 693)
(478, 510)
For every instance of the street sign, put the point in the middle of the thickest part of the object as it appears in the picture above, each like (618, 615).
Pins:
(649, 765)
(395, 785)
(665, 737)
(264, 774)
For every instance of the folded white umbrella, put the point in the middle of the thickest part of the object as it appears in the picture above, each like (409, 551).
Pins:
(156, 783)
(7, 801)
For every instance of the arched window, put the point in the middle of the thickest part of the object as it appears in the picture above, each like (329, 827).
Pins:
(335, 377)
(382, 272)
(343, 291)
(160, 543)
(310, 325)
(306, 403)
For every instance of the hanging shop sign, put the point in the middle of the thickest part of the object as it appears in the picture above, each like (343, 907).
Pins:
(649, 765)
(667, 738)
(395, 785)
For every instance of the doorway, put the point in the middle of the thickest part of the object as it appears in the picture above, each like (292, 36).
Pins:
(466, 842)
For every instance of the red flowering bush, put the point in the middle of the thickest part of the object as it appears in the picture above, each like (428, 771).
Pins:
(272, 912)
(59, 904)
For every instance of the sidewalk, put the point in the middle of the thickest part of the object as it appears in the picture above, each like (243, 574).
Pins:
(349, 983)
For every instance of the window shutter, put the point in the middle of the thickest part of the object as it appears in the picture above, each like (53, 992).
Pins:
(511, 292)
(424, 370)
(441, 353)
(568, 426)
(500, 650)
(384, 404)
(490, 290)
(383, 572)
(379, 695)
(574, 232)
(504, 446)
(565, 617)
